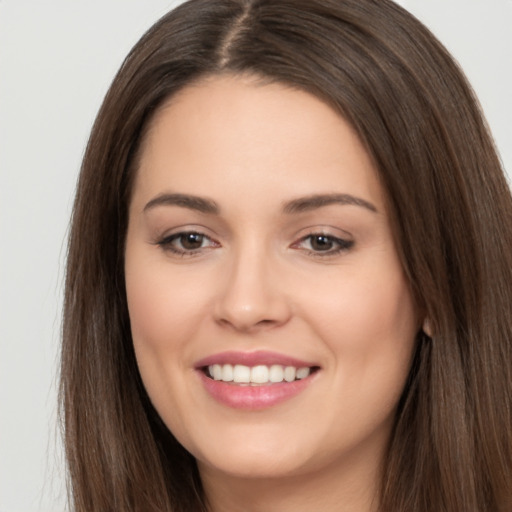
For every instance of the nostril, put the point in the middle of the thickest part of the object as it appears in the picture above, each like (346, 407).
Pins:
(250, 300)
(247, 323)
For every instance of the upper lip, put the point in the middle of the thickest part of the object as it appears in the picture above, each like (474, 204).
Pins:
(255, 358)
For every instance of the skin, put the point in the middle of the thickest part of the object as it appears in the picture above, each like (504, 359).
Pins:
(259, 282)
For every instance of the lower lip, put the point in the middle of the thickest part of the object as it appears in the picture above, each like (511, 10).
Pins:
(250, 397)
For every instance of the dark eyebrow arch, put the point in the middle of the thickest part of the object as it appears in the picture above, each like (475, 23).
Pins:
(304, 204)
(197, 203)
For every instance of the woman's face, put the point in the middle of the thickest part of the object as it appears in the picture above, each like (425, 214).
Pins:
(271, 319)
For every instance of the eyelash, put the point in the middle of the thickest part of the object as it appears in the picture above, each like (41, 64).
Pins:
(342, 245)
(167, 242)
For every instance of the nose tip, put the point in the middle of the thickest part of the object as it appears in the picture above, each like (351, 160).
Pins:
(248, 319)
(252, 300)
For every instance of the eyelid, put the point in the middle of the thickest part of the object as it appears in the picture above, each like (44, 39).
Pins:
(162, 233)
(165, 242)
(342, 244)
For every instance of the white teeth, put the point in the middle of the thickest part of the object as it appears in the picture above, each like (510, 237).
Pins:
(241, 373)
(227, 373)
(276, 373)
(260, 374)
(289, 373)
(302, 373)
(216, 371)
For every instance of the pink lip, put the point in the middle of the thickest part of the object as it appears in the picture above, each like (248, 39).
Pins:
(249, 397)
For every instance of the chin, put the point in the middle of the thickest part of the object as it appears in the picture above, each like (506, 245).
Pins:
(256, 453)
(256, 465)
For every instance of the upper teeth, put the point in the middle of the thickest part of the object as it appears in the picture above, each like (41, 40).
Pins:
(260, 374)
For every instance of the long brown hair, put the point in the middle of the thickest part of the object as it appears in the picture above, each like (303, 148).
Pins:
(451, 447)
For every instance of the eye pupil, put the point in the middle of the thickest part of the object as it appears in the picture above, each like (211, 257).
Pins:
(191, 241)
(321, 243)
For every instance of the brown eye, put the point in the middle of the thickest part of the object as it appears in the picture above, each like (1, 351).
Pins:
(187, 243)
(321, 243)
(191, 241)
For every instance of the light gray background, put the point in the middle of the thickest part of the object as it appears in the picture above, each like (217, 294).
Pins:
(57, 59)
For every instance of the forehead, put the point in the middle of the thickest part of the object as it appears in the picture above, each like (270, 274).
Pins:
(227, 131)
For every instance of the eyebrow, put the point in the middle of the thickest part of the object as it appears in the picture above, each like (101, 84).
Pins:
(299, 205)
(304, 204)
(199, 204)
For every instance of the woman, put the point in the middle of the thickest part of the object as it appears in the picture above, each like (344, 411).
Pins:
(289, 275)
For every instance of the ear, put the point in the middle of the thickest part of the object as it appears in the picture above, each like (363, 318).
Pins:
(427, 328)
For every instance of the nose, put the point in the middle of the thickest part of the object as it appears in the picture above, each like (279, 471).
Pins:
(253, 295)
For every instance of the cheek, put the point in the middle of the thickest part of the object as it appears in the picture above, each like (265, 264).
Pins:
(368, 322)
(367, 305)
(162, 306)
(150, 306)
(383, 312)
(164, 315)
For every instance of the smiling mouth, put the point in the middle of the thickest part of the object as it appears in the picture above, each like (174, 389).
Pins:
(259, 375)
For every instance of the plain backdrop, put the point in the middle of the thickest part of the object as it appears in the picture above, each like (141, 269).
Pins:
(57, 59)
